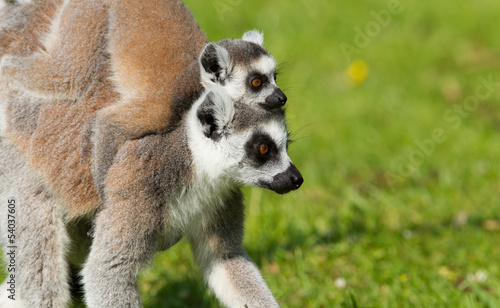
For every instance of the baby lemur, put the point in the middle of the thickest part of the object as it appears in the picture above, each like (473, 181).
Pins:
(154, 48)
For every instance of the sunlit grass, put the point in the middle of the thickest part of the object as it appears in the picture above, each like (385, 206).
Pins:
(351, 237)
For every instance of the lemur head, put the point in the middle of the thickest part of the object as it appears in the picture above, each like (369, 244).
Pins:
(244, 69)
(240, 143)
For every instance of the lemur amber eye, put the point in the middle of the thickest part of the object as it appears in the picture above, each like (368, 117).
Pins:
(256, 82)
(263, 149)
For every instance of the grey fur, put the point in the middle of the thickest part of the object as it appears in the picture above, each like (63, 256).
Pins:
(138, 224)
(23, 113)
(248, 116)
(243, 52)
(227, 230)
(41, 237)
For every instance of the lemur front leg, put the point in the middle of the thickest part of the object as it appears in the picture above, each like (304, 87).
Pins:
(39, 241)
(229, 272)
(124, 240)
(126, 120)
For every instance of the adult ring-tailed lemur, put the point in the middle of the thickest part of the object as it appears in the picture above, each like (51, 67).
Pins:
(127, 108)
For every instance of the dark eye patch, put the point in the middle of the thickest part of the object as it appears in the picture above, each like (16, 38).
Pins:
(253, 148)
(256, 76)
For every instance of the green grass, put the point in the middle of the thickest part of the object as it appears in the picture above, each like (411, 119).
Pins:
(369, 228)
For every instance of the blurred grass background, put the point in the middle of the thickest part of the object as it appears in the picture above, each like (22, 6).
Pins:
(381, 221)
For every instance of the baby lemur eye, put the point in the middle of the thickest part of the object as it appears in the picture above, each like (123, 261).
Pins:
(256, 82)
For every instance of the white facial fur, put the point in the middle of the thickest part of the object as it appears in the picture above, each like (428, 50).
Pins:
(236, 77)
(238, 86)
(251, 174)
(207, 153)
(254, 36)
(226, 160)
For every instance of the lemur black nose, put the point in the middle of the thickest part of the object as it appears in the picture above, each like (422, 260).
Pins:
(297, 181)
(276, 99)
(281, 96)
(284, 182)
(295, 177)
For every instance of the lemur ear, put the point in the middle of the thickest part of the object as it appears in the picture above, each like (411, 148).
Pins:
(215, 63)
(215, 114)
(254, 36)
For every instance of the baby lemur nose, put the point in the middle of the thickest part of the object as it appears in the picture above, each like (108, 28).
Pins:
(276, 99)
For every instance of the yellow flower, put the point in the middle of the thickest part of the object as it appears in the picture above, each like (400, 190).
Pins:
(357, 72)
(447, 273)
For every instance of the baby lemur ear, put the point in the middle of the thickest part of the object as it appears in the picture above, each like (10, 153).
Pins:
(254, 36)
(215, 114)
(215, 63)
